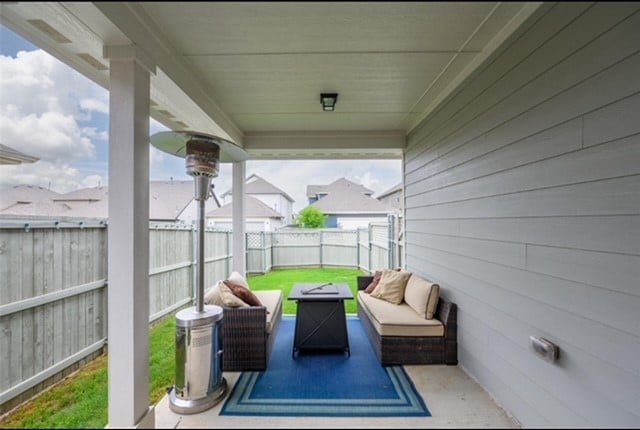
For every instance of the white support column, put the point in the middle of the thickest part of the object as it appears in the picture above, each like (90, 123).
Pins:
(128, 255)
(238, 215)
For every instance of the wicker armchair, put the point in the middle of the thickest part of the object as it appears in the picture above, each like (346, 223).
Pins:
(248, 336)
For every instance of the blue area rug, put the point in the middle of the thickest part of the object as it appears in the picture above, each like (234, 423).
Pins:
(325, 383)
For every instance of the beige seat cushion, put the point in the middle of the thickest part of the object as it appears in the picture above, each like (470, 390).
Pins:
(391, 286)
(422, 296)
(397, 320)
(272, 300)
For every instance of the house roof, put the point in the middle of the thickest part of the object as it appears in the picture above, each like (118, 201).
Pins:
(396, 188)
(350, 201)
(167, 200)
(12, 194)
(36, 208)
(84, 194)
(254, 209)
(341, 184)
(255, 184)
(91, 209)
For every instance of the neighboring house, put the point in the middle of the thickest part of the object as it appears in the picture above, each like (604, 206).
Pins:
(269, 194)
(393, 198)
(174, 201)
(348, 205)
(26, 200)
(169, 201)
(316, 192)
(258, 216)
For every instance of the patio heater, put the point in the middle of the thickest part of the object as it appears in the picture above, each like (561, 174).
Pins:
(199, 382)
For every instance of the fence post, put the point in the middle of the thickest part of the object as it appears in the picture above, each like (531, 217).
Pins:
(390, 243)
(321, 245)
(370, 231)
(264, 251)
(246, 249)
(358, 248)
(229, 255)
(270, 250)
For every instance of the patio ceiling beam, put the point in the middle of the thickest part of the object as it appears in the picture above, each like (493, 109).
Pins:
(326, 144)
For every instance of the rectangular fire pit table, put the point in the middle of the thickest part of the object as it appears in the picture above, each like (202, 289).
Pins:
(321, 322)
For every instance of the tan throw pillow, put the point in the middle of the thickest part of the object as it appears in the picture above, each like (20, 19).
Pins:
(213, 295)
(391, 286)
(237, 278)
(229, 299)
(419, 294)
(244, 294)
(374, 282)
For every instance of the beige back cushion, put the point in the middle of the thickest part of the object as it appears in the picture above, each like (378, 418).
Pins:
(391, 286)
(213, 295)
(422, 296)
(221, 295)
(237, 278)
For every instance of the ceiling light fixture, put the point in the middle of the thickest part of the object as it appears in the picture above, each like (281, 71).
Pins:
(328, 101)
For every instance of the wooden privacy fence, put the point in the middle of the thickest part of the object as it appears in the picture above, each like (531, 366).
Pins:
(53, 284)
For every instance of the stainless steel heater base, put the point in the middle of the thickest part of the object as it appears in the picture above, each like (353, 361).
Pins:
(185, 407)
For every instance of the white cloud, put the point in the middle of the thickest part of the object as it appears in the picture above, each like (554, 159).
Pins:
(51, 136)
(55, 176)
(95, 105)
(35, 83)
(368, 180)
(44, 105)
(93, 181)
(94, 133)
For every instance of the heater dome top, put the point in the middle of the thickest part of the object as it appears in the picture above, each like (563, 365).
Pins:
(175, 143)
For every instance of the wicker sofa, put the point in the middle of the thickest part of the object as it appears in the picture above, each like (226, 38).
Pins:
(248, 333)
(392, 329)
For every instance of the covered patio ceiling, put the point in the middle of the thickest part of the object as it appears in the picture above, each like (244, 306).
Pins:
(254, 72)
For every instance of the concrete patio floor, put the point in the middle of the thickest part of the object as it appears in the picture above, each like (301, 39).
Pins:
(454, 399)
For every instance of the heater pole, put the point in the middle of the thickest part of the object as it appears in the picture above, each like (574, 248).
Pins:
(202, 187)
(200, 271)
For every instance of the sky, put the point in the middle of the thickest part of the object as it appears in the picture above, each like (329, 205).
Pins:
(50, 111)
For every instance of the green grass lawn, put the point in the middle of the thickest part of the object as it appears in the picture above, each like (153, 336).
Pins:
(285, 279)
(80, 400)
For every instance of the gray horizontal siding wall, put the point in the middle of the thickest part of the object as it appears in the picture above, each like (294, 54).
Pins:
(523, 202)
